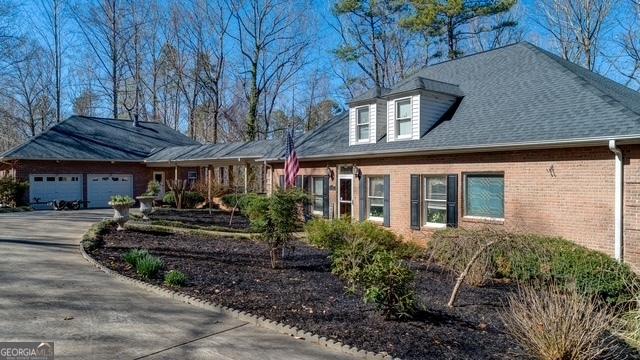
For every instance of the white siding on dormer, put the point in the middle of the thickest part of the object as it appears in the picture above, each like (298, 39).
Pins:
(415, 118)
(353, 113)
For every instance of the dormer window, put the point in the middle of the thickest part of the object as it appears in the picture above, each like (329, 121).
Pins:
(404, 123)
(362, 124)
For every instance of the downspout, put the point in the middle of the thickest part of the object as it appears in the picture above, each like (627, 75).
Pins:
(618, 204)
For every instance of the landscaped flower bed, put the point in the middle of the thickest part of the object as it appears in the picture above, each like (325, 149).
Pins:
(238, 273)
(200, 219)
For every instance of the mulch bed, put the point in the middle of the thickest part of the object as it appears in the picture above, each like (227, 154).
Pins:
(237, 273)
(202, 218)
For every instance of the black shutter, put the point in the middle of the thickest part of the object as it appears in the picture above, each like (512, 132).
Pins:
(306, 187)
(415, 202)
(281, 182)
(325, 197)
(363, 198)
(452, 200)
(299, 181)
(387, 201)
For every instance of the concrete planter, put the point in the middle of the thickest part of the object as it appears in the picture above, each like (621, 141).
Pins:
(120, 214)
(146, 205)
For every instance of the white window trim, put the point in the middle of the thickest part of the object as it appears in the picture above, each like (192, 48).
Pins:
(395, 118)
(464, 198)
(368, 124)
(369, 197)
(314, 195)
(425, 223)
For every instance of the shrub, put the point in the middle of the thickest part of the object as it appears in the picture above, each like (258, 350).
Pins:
(239, 201)
(328, 234)
(93, 238)
(153, 188)
(13, 192)
(175, 278)
(349, 260)
(630, 325)
(532, 257)
(276, 218)
(389, 285)
(148, 266)
(134, 255)
(556, 322)
(189, 201)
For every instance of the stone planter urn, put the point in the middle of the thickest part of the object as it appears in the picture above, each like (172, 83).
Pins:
(146, 205)
(120, 213)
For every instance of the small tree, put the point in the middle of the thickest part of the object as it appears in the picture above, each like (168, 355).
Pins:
(178, 187)
(12, 191)
(276, 218)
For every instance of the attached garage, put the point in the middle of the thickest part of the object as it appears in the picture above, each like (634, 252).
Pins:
(101, 187)
(45, 188)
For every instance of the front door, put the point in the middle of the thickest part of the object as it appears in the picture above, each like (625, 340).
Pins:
(345, 196)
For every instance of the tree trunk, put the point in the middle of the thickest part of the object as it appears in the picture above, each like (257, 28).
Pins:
(463, 274)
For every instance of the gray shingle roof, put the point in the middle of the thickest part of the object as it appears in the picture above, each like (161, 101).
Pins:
(235, 150)
(91, 138)
(422, 83)
(518, 94)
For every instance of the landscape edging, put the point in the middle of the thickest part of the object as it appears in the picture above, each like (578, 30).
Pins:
(259, 321)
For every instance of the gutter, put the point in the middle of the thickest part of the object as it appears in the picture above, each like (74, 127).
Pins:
(618, 203)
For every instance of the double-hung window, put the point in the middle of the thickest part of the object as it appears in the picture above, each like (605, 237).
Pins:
(317, 193)
(435, 201)
(375, 198)
(404, 124)
(484, 196)
(362, 124)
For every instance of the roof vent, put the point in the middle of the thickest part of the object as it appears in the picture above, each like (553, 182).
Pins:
(135, 120)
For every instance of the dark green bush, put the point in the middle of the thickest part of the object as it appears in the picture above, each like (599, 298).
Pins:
(190, 200)
(276, 218)
(531, 257)
(349, 260)
(134, 255)
(13, 192)
(240, 201)
(388, 283)
(175, 278)
(148, 266)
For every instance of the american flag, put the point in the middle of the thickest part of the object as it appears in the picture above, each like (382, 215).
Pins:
(291, 164)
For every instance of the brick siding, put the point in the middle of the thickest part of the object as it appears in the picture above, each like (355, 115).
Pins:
(560, 192)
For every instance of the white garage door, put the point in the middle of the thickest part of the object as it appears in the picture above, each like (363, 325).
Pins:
(101, 187)
(50, 187)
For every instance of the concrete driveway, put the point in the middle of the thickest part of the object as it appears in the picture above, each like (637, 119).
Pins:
(48, 292)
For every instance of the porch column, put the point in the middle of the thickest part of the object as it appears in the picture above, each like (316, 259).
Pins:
(246, 177)
(175, 175)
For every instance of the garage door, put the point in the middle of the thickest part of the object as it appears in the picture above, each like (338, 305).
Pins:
(101, 187)
(50, 187)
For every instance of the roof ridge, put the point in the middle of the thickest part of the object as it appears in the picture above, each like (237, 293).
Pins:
(583, 81)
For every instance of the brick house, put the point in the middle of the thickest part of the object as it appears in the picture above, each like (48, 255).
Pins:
(514, 137)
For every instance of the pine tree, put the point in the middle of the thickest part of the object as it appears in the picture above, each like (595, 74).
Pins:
(448, 20)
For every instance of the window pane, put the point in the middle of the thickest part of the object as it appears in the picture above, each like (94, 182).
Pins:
(318, 186)
(376, 186)
(363, 132)
(436, 188)
(376, 210)
(363, 115)
(404, 127)
(436, 212)
(403, 109)
(318, 204)
(485, 196)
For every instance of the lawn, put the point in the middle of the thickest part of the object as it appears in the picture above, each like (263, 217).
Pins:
(237, 273)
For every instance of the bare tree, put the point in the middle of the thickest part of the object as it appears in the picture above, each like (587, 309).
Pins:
(52, 35)
(576, 27)
(272, 46)
(101, 27)
(629, 42)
